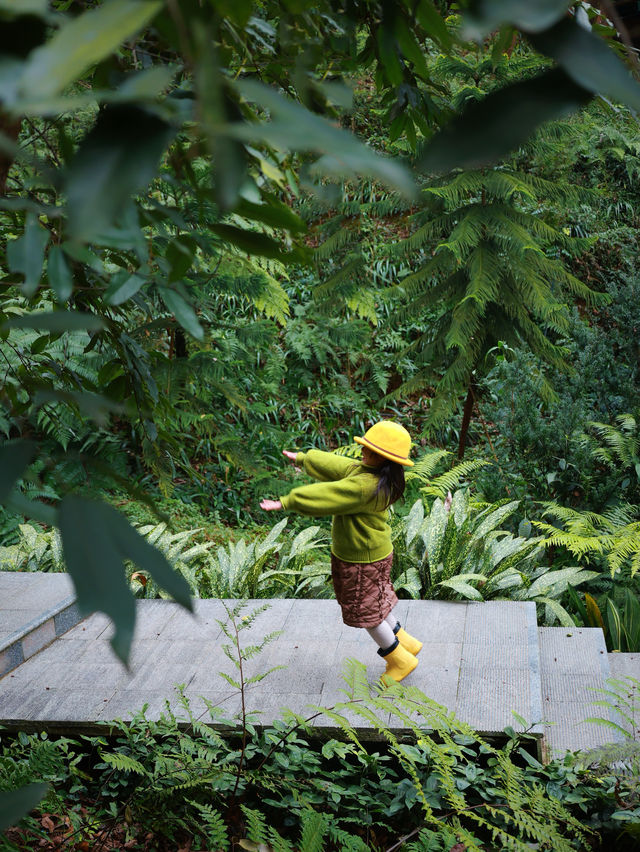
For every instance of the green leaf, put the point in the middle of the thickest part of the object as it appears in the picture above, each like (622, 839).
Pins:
(387, 51)
(117, 157)
(145, 85)
(182, 311)
(462, 588)
(489, 129)
(80, 43)
(180, 254)
(14, 458)
(57, 322)
(81, 254)
(122, 287)
(410, 47)
(432, 21)
(26, 254)
(94, 405)
(274, 213)
(34, 509)
(239, 11)
(227, 154)
(558, 610)
(532, 16)
(607, 723)
(25, 7)
(295, 128)
(97, 540)
(14, 804)
(59, 274)
(522, 722)
(589, 61)
(253, 242)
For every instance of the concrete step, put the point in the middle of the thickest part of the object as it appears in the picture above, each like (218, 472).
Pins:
(35, 608)
(624, 665)
(480, 660)
(626, 669)
(575, 666)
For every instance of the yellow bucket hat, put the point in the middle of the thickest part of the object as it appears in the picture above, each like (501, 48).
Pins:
(388, 439)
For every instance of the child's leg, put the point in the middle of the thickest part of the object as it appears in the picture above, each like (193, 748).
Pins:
(382, 635)
(406, 640)
(400, 662)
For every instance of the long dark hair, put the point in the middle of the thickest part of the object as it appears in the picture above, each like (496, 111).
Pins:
(390, 481)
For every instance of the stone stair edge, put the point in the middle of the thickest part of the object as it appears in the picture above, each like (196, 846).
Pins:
(38, 633)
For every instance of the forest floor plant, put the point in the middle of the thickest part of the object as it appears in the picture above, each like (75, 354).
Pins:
(464, 553)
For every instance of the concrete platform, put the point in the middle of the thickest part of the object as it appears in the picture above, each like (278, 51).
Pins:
(479, 660)
(624, 665)
(575, 666)
(35, 608)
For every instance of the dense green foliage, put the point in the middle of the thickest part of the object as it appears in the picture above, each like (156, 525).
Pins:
(291, 786)
(233, 228)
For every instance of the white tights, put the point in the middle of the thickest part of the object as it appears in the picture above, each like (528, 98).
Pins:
(383, 634)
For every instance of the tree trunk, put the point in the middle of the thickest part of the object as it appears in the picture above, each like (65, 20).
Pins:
(466, 419)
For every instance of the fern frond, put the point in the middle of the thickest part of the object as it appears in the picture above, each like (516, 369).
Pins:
(257, 830)
(123, 763)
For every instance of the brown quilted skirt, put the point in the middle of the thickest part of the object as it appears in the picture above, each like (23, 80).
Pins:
(363, 590)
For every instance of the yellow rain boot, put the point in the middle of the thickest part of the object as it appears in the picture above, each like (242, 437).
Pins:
(399, 661)
(408, 641)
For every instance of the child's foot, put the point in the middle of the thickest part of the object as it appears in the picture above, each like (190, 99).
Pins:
(399, 662)
(408, 641)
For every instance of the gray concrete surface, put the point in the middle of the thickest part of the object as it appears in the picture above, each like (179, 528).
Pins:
(481, 661)
(575, 666)
(35, 608)
(476, 661)
(624, 665)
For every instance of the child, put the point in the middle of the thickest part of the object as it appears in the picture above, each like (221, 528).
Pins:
(358, 495)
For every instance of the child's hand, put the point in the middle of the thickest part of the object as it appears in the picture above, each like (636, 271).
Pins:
(270, 505)
(292, 458)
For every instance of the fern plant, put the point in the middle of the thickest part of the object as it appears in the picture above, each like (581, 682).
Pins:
(237, 570)
(623, 699)
(613, 536)
(437, 784)
(464, 553)
(440, 485)
(315, 830)
(187, 558)
(482, 255)
(444, 741)
(618, 447)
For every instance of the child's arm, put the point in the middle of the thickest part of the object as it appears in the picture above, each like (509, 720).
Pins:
(343, 497)
(327, 467)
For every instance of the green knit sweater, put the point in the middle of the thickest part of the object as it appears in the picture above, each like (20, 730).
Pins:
(359, 532)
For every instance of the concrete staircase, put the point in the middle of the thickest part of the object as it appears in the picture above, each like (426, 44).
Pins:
(480, 660)
(35, 608)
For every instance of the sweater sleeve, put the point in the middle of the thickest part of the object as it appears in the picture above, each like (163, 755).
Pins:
(325, 466)
(343, 497)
